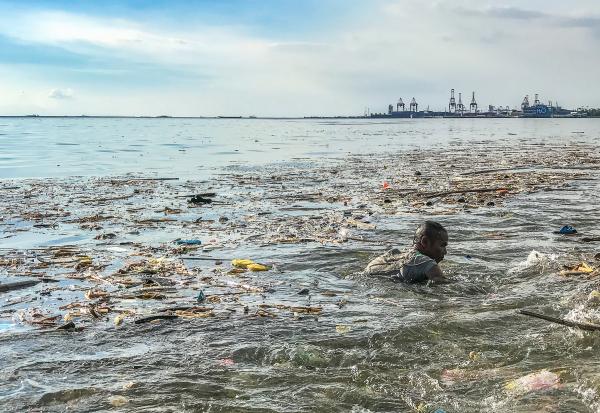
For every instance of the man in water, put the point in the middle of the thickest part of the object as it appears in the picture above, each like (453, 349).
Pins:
(419, 263)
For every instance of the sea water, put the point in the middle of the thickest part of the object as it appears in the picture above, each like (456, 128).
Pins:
(390, 347)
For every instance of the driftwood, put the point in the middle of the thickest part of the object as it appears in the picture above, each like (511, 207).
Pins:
(568, 323)
(125, 180)
(98, 200)
(155, 317)
(489, 171)
(460, 191)
(202, 195)
(17, 285)
(204, 259)
(68, 326)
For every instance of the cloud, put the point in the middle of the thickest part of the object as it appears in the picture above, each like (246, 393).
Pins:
(61, 94)
(591, 22)
(143, 64)
(122, 38)
(514, 13)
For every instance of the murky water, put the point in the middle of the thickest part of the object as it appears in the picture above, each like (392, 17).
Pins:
(386, 347)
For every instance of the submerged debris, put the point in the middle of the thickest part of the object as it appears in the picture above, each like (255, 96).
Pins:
(123, 264)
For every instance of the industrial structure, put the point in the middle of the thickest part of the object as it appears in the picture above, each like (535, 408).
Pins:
(458, 109)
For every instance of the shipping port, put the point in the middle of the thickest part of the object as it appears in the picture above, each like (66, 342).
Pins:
(457, 109)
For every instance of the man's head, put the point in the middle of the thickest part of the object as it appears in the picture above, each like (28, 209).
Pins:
(431, 239)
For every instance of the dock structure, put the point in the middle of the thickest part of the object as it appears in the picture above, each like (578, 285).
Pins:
(414, 105)
(399, 105)
(473, 105)
(460, 107)
(452, 103)
(458, 110)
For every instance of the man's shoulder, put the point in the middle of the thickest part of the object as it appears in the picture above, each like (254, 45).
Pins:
(389, 263)
(418, 258)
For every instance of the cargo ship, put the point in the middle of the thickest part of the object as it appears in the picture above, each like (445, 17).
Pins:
(400, 111)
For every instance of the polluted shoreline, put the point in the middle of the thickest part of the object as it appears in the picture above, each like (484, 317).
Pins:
(276, 252)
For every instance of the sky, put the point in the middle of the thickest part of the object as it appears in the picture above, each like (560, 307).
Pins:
(291, 57)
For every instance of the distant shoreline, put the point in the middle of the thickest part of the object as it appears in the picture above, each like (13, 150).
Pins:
(276, 117)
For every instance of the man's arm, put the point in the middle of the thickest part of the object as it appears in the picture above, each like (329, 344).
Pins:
(436, 275)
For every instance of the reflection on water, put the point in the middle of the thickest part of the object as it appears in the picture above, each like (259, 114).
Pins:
(39, 147)
(385, 347)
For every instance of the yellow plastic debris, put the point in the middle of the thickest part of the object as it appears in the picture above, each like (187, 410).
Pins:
(578, 269)
(119, 319)
(84, 262)
(594, 297)
(584, 267)
(342, 329)
(474, 356)
(118, 401)
(242, 263)
(257, 267)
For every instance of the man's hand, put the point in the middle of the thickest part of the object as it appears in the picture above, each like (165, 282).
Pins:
(436, 275)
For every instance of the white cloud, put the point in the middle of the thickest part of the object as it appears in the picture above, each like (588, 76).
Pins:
(394, 49)
(61, 94)
(128, 39)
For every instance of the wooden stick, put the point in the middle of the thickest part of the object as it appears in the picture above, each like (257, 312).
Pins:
(97, 200)
(204, 259)
(574, 324)
(203, 194)
(18, 285)
(142, 179)
(363, 240)
(156, 317)
(488, 171)
(460, 191)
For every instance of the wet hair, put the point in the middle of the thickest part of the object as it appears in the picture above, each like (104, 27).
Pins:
(431, 229)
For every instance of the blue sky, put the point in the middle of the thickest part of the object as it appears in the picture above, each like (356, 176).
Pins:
(287, 58)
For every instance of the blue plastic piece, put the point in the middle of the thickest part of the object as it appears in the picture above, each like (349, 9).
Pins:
(201, 297)
(188, 242)
(567, 229)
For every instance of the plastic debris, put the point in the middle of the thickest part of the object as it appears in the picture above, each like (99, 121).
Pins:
(226, 362)
(342, 328)
(567, 230)
(594, 296)
(119, 319)
(248, 264)
(579, 269)
(200, 297)
(257, 267)
(199, 200)
(541, 380)
(188, 242)
(118, 401)
(241, 263)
